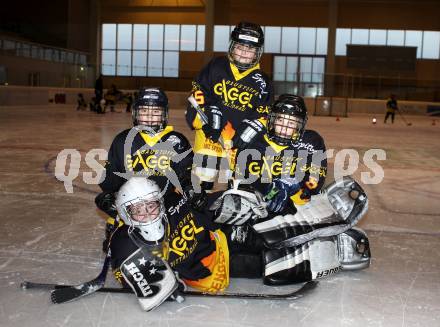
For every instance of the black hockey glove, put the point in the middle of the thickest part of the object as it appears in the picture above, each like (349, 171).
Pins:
(247, 132)
(197, 200)
(214, 126)
(279, 192)
(106, 202)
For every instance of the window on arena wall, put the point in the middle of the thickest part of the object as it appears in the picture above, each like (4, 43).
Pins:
(427, 42)
(299, 61)
(300, 54)
(147, 49)
(280, 39)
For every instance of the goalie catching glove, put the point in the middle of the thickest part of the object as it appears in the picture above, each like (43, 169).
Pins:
(317, 259)
(342, 204)
(238, 205)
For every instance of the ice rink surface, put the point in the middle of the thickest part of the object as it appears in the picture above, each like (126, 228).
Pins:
(49, 235)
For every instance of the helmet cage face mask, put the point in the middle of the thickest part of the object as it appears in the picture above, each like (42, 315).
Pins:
(285, 128)
(246, 45)
(140, 205)
(150, 118)
(147, 216)
(143, 211)
(244, 55)
(146, 115)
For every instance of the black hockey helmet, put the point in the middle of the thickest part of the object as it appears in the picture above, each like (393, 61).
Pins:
(287, 119)
(249, 35)
(150, 110)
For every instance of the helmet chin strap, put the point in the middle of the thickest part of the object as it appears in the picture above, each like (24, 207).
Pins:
(146, 129)
(146, 247)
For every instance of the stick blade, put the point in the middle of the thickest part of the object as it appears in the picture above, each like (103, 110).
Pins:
(68, 294)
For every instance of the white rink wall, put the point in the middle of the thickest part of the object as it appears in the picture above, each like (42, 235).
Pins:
(24, 95)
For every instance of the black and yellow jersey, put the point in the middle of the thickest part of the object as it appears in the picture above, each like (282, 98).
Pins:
(267, 161)
(239, 95)
(161, 157)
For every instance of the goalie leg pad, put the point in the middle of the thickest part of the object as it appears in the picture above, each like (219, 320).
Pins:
(354, 249)
(151, 279)
(246, 265)
(337, 209)
(312, 260)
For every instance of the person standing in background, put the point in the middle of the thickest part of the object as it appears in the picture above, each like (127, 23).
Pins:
(391, 108)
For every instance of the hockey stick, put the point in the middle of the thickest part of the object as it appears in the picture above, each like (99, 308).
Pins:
(403, 118)
(73, 292)
(203, 116)
(305, 288)
(204, 119)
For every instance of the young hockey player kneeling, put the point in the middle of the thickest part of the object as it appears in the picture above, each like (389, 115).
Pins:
(159, 237)
(285, 214)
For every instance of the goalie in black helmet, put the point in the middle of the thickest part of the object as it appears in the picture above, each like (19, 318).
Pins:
(235, 95)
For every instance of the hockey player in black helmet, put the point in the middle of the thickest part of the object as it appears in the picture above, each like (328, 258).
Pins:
(150, 113)
(278, 218)
(287, 120)
(246, 45)
(235, 95)
(150, 148)
(292, 161)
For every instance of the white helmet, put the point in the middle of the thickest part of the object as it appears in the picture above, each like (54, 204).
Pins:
(140, 205)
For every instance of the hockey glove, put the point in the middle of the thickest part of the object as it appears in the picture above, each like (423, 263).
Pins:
(303, 195)
(106, 202)
(214, 126)
(279, 192)
(197, 200)
(247, 132)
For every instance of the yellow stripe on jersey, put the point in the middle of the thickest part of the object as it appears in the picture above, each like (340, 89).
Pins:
(238, 76)
(278, 148)
(152, 140)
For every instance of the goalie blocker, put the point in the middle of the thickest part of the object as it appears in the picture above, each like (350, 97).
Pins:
(150, 278)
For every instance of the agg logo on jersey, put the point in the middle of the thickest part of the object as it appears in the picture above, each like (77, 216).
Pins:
(149, 163)
(235, 95)
(272, 168)
(164, 149)
(183, 240)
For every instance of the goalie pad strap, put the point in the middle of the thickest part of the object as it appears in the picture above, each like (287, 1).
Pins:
(151, 279)
(312, 260)
(333, 212)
